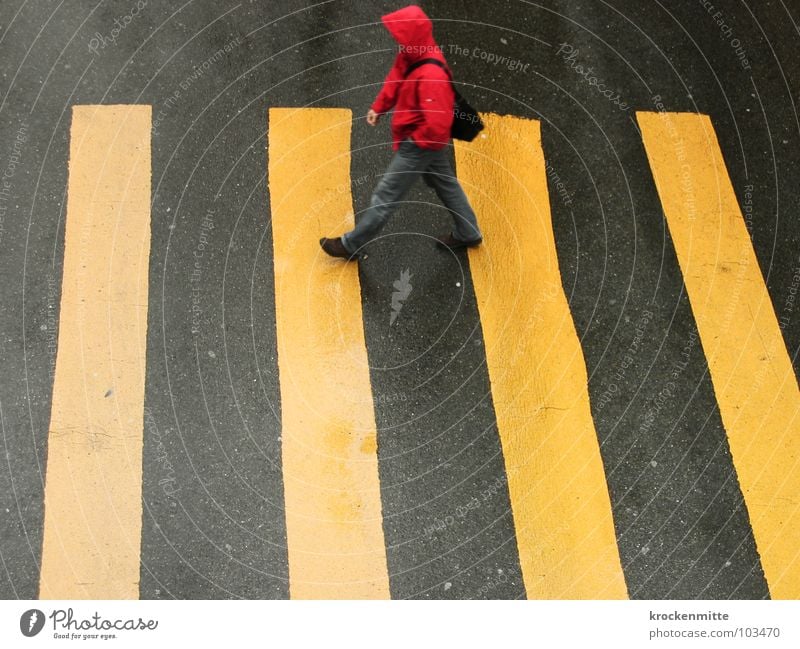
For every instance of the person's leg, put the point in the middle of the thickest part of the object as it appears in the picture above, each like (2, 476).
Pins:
(442, 178)
(407, 163)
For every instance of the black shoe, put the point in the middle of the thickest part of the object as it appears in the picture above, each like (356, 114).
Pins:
(335, 248)
(448, 241)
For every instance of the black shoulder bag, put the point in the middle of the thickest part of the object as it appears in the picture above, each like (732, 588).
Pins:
(466, 121)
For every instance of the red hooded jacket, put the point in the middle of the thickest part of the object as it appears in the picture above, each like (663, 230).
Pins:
(423, 101)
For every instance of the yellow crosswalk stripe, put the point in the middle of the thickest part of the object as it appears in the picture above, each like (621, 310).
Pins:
(329, 438)
(559, 497)
(752, 374)
(93, 493)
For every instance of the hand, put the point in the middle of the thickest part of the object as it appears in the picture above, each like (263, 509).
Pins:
(372, 117)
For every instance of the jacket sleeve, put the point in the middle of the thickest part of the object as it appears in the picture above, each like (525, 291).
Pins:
(387, 97)
(435, 101)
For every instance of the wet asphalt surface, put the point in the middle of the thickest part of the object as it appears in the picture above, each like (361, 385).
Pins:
(213, 523)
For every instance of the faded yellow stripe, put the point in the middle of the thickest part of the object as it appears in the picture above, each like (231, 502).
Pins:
(93, 494)
(752, 375)
(559, 497)
(330, 467)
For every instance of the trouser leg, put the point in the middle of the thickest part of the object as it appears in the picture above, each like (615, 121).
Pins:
(442, 178)
(406, 165)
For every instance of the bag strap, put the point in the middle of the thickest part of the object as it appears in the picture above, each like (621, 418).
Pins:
(421, 62)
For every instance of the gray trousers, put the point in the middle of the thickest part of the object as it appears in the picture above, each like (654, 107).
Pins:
(408, 163)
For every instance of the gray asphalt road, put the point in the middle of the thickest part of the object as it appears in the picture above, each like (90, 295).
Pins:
(212, 403)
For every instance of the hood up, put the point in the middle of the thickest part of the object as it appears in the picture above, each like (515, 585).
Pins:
(412, 30)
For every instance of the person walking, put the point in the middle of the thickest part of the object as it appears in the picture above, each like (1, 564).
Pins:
(423, 102)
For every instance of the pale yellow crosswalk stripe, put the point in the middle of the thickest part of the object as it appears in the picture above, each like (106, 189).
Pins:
(333, 507)
(752, 374)
(93, 492)
(559, 497)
